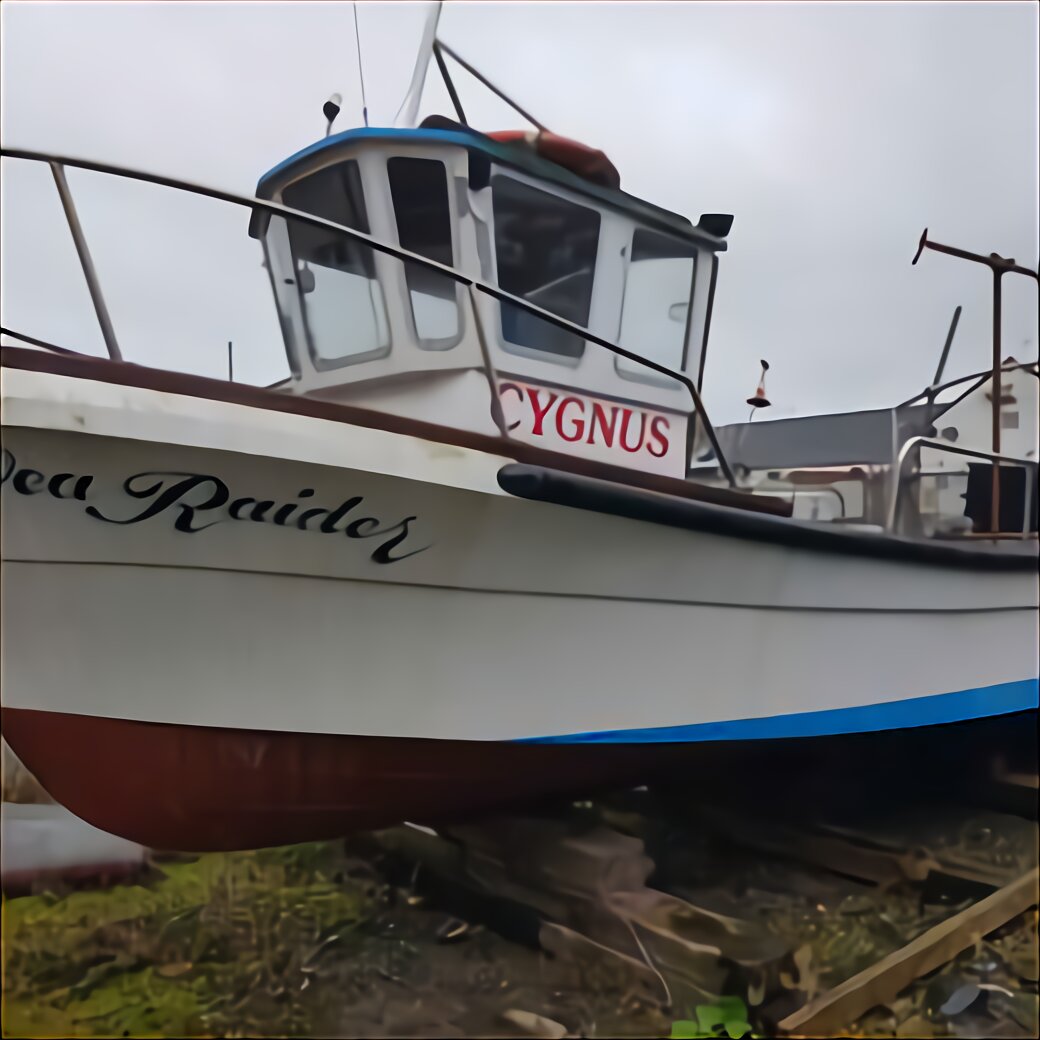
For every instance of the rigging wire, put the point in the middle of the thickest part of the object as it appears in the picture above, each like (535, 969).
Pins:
(361, 67)
(491, 86)
(452, 92)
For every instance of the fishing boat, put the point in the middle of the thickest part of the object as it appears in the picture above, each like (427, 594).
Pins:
(456, 559)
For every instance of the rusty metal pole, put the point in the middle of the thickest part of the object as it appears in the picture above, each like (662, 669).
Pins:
(994, 515)
(1000, 266)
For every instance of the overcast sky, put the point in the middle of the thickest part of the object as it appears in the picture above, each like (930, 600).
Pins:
(834, 132)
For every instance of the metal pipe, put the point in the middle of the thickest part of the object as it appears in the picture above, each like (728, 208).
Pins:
(491, 86)
(497, 413)
(944, 356)
(277, 209)
(1030, 482)
(934, 391)
(995, 395)
(707, 318)
(691, 427)
(93, 286)
(992, 260)
(577, 330)
(247, 201)
(916, 443)
(894, 429)
(265, 205)
(452, 92)
(410, 105)
(1000, 266)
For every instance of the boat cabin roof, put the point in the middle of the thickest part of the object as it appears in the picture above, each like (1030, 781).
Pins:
(481, 147)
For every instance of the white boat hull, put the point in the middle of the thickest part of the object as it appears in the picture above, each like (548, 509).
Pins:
(438, 607)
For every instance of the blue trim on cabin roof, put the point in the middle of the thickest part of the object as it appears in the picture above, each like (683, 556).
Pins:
(962, 706)
(367, 133)
(507, 154)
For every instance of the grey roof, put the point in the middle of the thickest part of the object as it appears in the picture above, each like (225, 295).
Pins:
(866, 438)
(838, 439)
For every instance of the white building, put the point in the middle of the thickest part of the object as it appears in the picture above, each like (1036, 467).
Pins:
(967, 421)
(839, 466)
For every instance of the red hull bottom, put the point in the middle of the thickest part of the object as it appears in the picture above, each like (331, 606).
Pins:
(200, 788)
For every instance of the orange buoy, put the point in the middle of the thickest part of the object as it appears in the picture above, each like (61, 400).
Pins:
(588, 163)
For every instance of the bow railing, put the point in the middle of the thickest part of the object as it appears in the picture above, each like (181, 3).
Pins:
(59, 163)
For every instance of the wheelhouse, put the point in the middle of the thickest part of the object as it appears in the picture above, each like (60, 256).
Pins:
(361, 325)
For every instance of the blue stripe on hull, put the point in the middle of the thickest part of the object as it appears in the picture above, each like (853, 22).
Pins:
(917, 711)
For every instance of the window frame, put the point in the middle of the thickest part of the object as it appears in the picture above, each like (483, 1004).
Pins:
(424, 343)
(520, 349)
(648, 376)
(322, 364)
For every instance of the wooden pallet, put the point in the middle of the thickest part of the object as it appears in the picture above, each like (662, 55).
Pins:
(583, 881)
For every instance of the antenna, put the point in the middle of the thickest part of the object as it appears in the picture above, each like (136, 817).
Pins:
(360, 66)
(946, 346)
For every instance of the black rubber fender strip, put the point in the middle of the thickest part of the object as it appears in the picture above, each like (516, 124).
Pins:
(564, 489)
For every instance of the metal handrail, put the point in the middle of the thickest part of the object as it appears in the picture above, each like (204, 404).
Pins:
(938, 388)
(404, 255)
(86, 263)
(916, 443)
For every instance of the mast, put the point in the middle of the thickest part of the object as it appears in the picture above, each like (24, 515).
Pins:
(410, 106)
(432, 46)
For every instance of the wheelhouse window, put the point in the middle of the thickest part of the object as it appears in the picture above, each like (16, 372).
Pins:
(656, 303)
(343, 306)
(545, 249)
(419, 190)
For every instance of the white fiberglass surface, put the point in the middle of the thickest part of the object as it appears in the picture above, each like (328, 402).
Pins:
(477, 667)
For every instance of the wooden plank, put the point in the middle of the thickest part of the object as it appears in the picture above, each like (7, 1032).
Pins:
(881, 866)
(1003, 774)
(932, 827)
(882, 981)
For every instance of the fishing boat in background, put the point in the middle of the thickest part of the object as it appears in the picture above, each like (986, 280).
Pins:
(459, 557)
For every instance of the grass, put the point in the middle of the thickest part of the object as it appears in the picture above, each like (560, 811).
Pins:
(217, 945)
